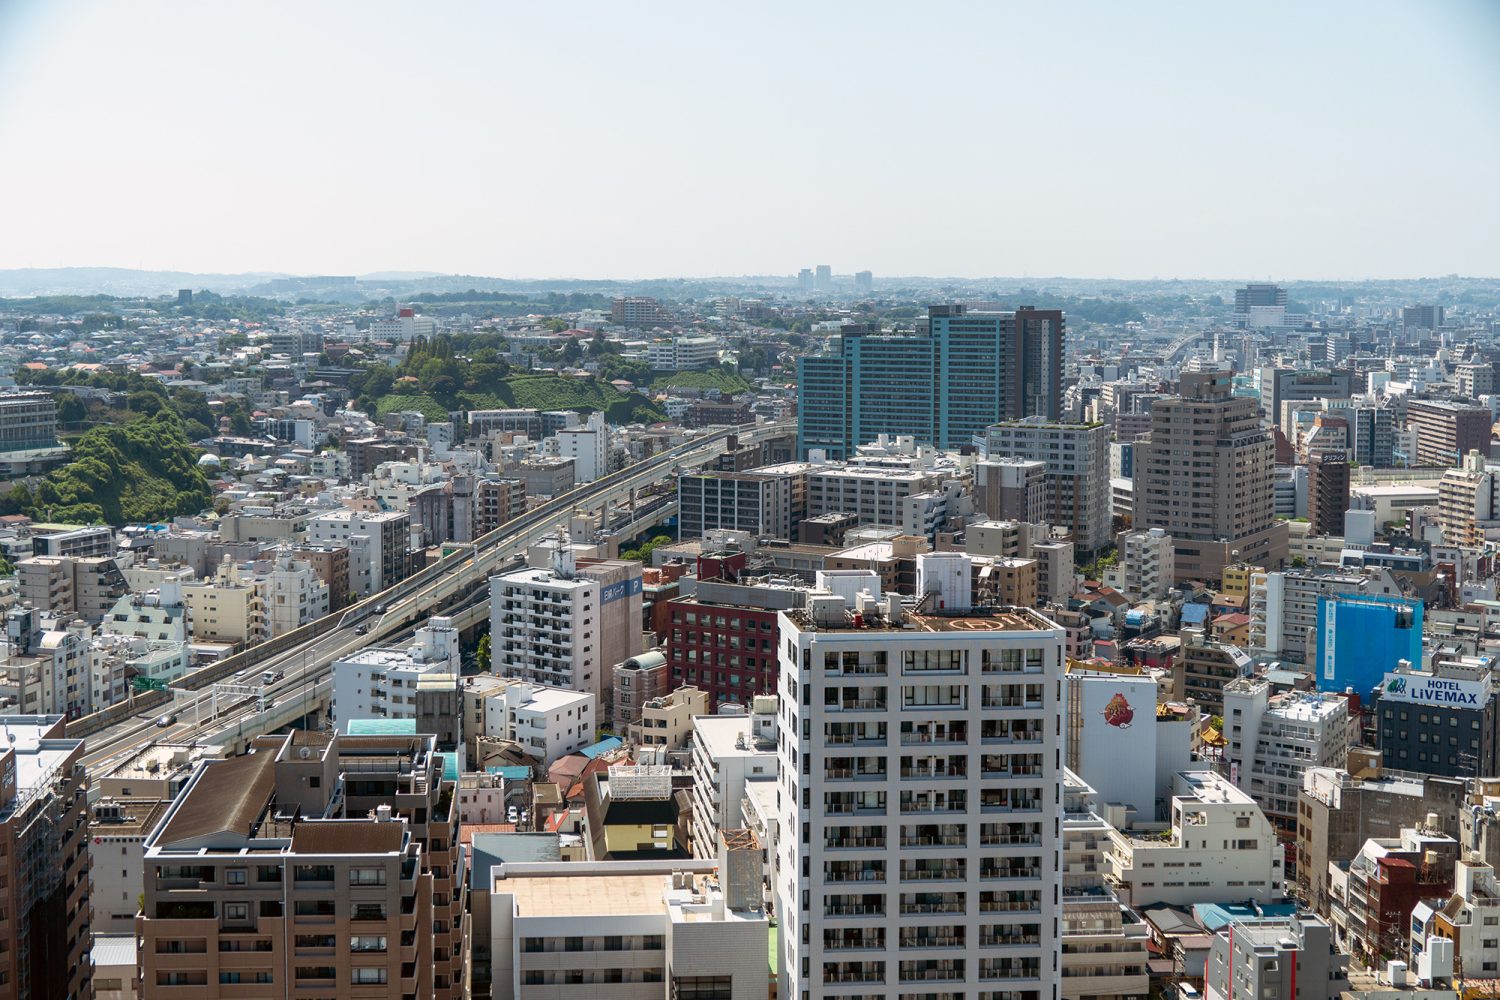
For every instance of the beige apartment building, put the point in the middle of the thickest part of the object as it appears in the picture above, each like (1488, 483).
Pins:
(1205, 477)
(317, 866)
(667, 721)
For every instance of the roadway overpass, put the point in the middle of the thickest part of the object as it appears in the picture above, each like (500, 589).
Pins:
(303, 657)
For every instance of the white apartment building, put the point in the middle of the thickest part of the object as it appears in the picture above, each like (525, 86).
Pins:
(1470, 918)
(329, 465)
(1284, 607)
(588, 447)
(382, 682)
(683, 354)
(1219, 847)
(1147, 564)
(767, 502)
(405, 325)
(920, 802)
(161, 615)
(1277, 957)
(67, 679)
(544, 626)
(629, 930)
(1077, 457)
(876, 495)
(378, 543)
(150, 574)
(1103, 942)
(549, 722)
(729, 751)
(294, 595)
(1273, 739)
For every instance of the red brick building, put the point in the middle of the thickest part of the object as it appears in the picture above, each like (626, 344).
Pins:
(723, 639)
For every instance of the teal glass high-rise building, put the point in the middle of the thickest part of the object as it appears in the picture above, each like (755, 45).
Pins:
(969, 369)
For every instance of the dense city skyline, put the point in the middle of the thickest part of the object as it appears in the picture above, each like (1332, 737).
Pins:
(1338, 141)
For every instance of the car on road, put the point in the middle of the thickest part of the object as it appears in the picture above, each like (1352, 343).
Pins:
(380, 609)
(362, 629)
(170, 719)
(272, 676)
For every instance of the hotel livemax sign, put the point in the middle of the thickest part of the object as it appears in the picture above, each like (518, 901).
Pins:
(1424, 689)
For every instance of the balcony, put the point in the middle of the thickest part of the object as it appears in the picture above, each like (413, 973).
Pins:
(934, 840)
(989, 939)
(991, 903)
(854, 843)
(857, 705)
(934, 773)
(999, 703)
(951, 872)
(935, 737)
(918, 806)
(925, 903)
(998, 873)
(853, 975)
(951, 939)
(922, 973)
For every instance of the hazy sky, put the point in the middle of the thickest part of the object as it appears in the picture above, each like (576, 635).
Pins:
(1335, 140)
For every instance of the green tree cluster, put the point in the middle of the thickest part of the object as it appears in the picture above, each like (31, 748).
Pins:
(145, 470)
(643, 554)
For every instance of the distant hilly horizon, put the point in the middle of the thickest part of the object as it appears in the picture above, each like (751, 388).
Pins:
(125, 282)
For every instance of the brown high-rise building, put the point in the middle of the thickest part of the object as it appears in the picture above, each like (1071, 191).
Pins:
(1204, 476)
(44, 902)
(1448, 430)
(316, 866)
(1327, 492)
(497, 501)
(330, 563)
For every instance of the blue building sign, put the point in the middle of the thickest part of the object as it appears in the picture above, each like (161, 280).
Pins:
(625, 588)
(1360, 639)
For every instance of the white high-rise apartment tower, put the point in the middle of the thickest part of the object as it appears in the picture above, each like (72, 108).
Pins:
(920, 788)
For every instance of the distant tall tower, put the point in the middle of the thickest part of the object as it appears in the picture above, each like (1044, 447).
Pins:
(1421, 317)
(824, 280)
(805, 279)
(942, 386)
(864, 281)
(1259, 305)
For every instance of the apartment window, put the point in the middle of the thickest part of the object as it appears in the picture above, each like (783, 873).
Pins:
(367, 876)
(368, 976)
(323, 908)
(236, 911)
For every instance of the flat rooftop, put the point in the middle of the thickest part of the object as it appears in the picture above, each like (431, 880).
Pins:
(719, 734)
(1304, 706)
(1207, 786)
(386, 656)
(1001, 619)
(544, 699)
(586, 895)
(162, 760)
